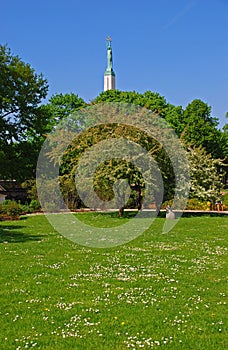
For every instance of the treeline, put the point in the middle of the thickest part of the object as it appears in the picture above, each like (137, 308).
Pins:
(25, 123)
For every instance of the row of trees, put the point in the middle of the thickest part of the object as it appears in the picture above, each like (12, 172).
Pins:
(25, 123)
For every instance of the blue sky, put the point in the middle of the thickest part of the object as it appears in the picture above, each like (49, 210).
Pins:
(178, 48)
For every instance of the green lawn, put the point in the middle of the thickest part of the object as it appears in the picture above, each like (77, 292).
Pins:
(159, 291)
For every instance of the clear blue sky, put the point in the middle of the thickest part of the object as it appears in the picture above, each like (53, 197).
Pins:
(178, 48)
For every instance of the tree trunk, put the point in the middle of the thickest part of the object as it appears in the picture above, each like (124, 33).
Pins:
(121, 211)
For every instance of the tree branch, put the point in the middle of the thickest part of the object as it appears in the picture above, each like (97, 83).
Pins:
(11, 112)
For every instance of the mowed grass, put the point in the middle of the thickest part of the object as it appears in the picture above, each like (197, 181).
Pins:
(159, 291)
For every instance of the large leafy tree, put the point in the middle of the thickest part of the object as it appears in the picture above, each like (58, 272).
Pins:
(195, 125)
(21, 91)
(112, 170)
(206, 175)
(150, 100)
(199, 128)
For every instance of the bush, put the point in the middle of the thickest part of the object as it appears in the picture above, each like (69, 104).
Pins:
(25, 209)
(4, 205)
(192, 204)
(34, 205)
(11, 209)
(196, 204)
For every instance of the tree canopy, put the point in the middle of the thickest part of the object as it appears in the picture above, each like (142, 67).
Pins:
(206, 175)
(21, 92)
(200, 128)
(61, 106)
(25, 123)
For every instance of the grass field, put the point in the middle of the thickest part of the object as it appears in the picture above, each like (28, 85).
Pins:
(159, 291)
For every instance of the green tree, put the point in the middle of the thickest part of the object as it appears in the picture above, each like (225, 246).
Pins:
(174, 116)
(150, 100)
(108, 173)
(206, 178)
(200, 128)
(61, 106)
(21, 91)
(112, 170)
(116, 175)
(194, 124)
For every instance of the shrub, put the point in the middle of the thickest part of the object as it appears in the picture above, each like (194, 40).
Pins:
(4, 205)
(196, 204)
(25, 209)
(34, 205)
(192, 204)
(11, 208)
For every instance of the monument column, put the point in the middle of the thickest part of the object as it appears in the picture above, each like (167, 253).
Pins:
(109, 76)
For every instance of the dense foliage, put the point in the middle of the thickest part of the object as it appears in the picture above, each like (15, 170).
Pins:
(21, 91)
(25, 122)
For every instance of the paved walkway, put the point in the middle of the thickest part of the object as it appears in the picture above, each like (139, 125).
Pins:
(225, 212)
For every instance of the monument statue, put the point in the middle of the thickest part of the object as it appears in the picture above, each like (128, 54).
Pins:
(109, 76)
(109, 54)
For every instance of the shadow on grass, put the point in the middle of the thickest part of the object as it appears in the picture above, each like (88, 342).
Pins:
(108, 214)
(145, 214)
(161, 214)
(10, 234)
